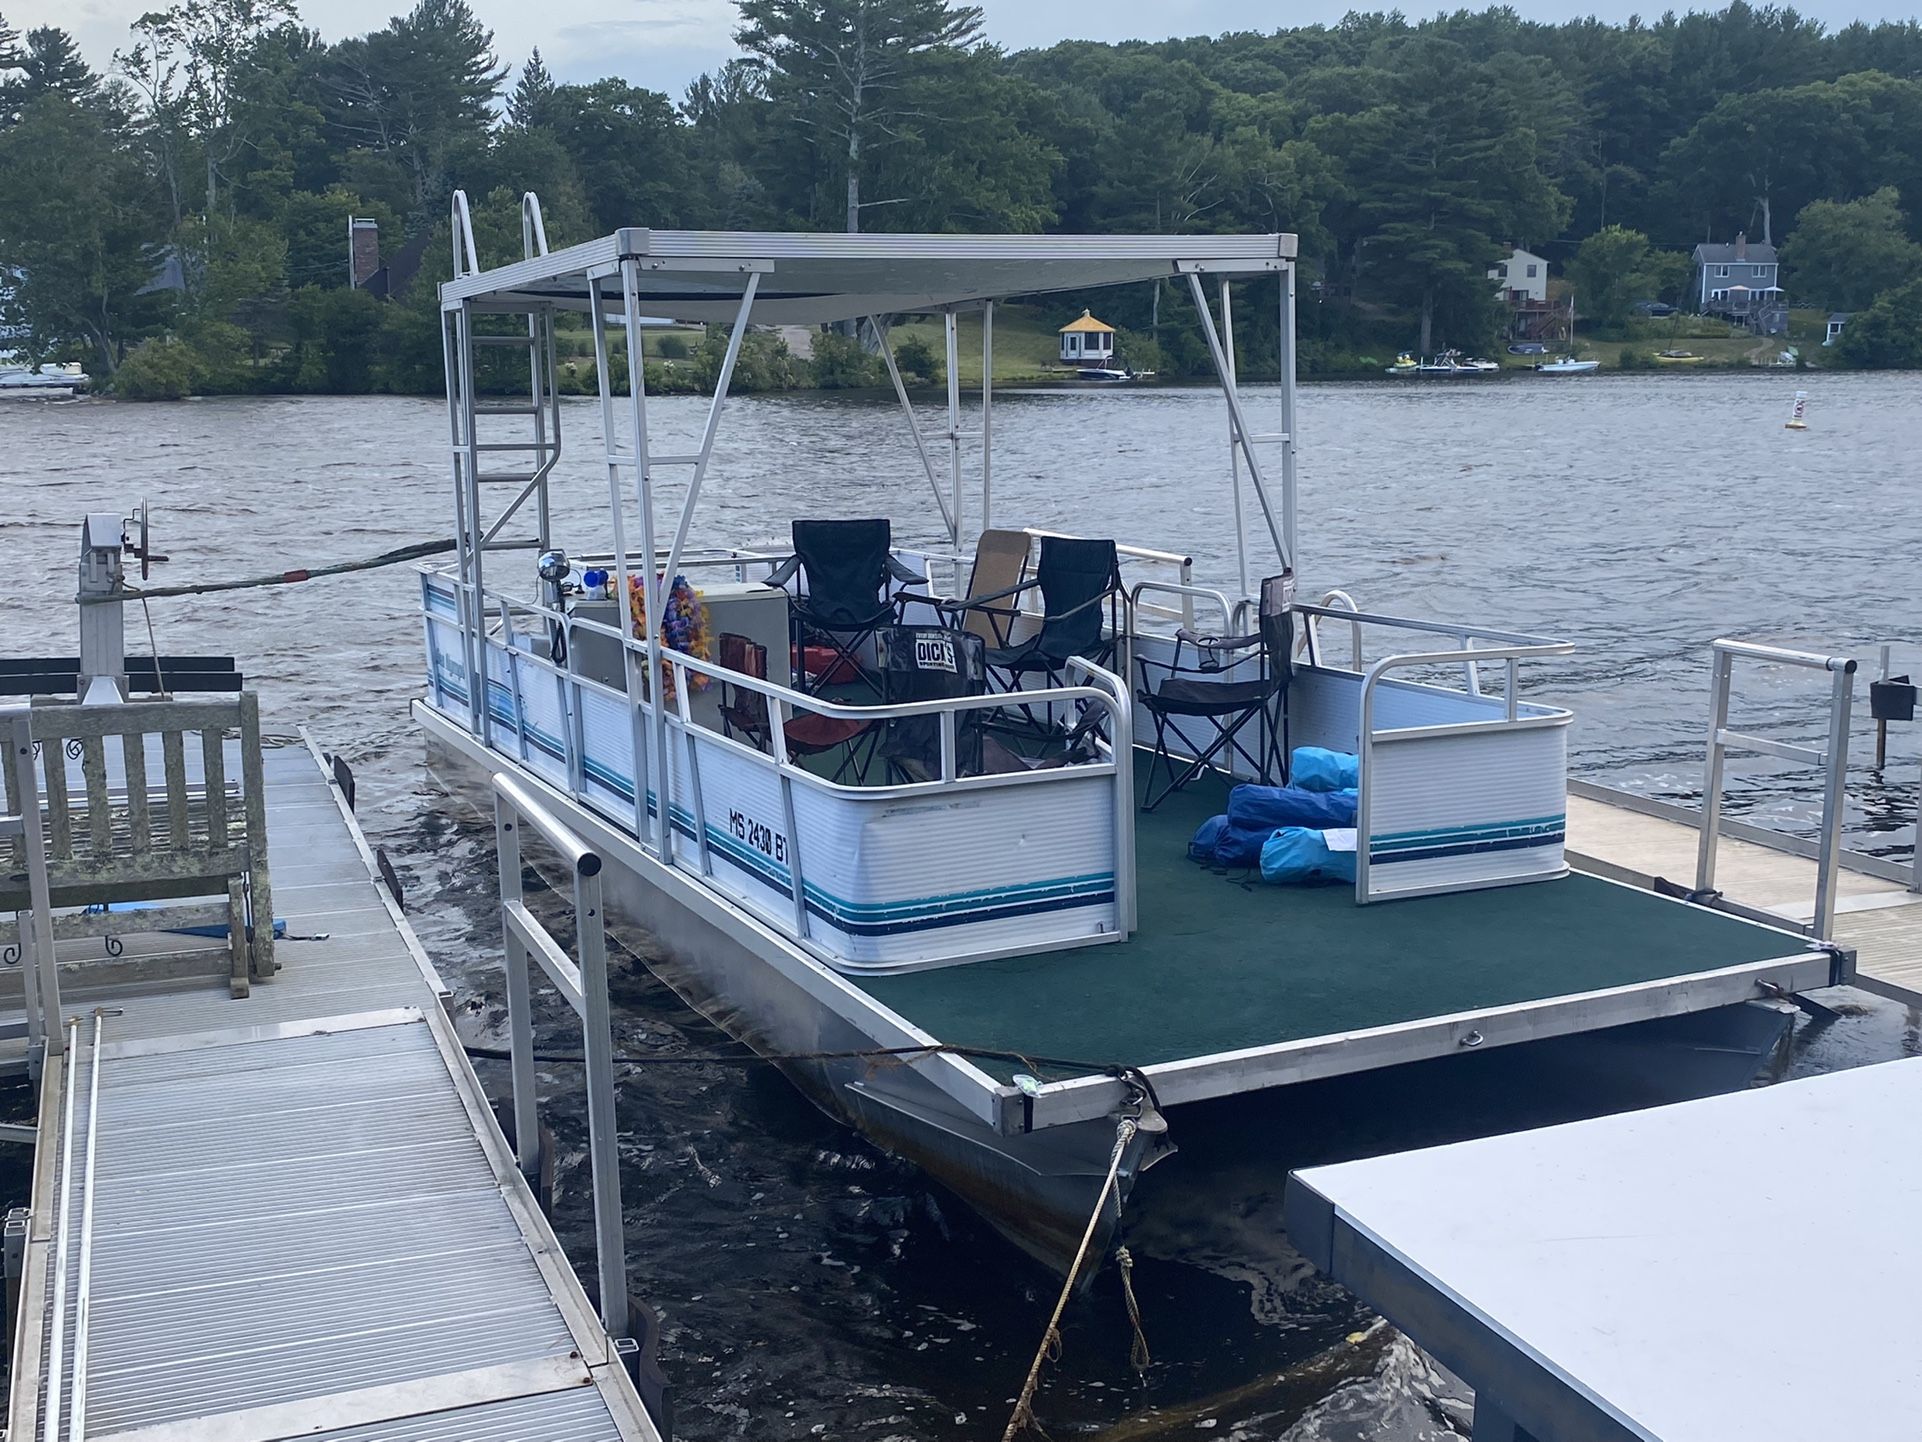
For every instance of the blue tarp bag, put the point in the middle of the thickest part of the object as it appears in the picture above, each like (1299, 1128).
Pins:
(1315, 768)
(1253, 814)
(1300, 856)
(1202, 848)
(1263, 808)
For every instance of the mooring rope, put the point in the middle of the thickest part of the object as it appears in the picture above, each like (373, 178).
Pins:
(159, 681)
(1138, 1355)
(279, 578)
(1022, 1418)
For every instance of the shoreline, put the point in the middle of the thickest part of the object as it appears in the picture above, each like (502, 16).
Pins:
(1005, 385)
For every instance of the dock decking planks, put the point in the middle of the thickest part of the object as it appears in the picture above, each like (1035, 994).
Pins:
(304, 1215)
(1879, 919)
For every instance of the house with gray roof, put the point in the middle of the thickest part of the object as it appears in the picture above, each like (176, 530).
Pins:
(1741, 282)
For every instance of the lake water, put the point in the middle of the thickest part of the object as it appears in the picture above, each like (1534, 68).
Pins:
(810, 1285)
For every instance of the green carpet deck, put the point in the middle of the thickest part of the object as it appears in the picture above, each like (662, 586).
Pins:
(1219, 962)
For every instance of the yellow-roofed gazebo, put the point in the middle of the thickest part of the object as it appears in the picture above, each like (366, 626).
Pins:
(1087, 342)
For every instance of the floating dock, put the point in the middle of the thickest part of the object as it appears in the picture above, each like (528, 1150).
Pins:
(1640, 1277)
(290, 1214)
(1877, 915)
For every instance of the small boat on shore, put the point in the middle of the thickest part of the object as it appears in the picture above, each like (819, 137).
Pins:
(1405, 365)
(1567, 366)
(1678, 358)
(1109, 375)
(68, 378)
(1454, 363)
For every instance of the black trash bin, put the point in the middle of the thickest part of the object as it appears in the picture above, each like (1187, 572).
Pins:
(1893, 699)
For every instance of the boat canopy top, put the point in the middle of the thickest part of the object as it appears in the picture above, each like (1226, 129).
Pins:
(697, 276)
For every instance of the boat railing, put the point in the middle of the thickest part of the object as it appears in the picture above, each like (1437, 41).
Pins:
(1187, 595)
(1136, 558)
(1308, 643)
(1416, 757)
(548, 728)
(742, 561)
(1465, 652)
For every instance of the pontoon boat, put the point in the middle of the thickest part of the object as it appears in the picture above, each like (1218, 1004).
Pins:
(963, 889)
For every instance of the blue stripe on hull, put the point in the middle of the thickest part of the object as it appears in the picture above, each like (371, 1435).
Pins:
(853, 918)
(1436, 842)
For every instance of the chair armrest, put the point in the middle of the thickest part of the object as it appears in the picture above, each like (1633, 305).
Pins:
(980, 603)
(900, 572)
(1219, 643)
(1210, 648)
(784, 572)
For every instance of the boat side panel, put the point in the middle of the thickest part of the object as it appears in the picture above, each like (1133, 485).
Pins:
(889, 882)
(1475, 808)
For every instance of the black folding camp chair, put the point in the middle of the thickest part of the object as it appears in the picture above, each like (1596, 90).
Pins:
(930, 663)
(848, 566)
(1078, 579)
(1195, 693)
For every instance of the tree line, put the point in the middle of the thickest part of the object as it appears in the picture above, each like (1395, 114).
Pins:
(184, 214)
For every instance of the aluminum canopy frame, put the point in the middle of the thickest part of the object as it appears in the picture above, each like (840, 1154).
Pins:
(638, 277)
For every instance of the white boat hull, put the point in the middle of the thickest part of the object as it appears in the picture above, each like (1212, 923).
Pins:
(1036, 1189)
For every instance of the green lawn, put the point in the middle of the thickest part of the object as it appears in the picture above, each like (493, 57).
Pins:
(1026, 345)
(1730, 351)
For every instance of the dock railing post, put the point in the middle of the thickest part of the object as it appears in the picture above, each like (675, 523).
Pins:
(603, 1127)
(1832, 759)
(1712, 773)
(583, 982)
(1834, 794)
(520, 1020)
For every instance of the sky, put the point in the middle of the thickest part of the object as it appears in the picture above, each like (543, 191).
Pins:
(664, 44)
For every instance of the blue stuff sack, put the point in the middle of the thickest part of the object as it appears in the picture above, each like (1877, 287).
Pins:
(1315, 768)
(1301, 856)
(1263, 808)
(1254, 813)
(1207, 837)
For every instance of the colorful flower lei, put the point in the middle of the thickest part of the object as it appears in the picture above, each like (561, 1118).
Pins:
(683, 627)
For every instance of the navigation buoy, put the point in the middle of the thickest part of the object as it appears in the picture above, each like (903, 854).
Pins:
(1795, 421)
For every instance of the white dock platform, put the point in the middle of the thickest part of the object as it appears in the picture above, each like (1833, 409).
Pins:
(300, 1219)
(1877, 918)
(1646, 1276)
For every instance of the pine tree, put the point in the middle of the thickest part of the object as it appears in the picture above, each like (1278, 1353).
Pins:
(11, 59)
(842, 65)
(534, 102)
(419, 95)
(53, 66)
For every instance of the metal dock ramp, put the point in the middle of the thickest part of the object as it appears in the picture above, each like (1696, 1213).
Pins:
(292, 1214)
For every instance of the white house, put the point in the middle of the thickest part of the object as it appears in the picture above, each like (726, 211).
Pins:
(1523, 277)
(1087, 342)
